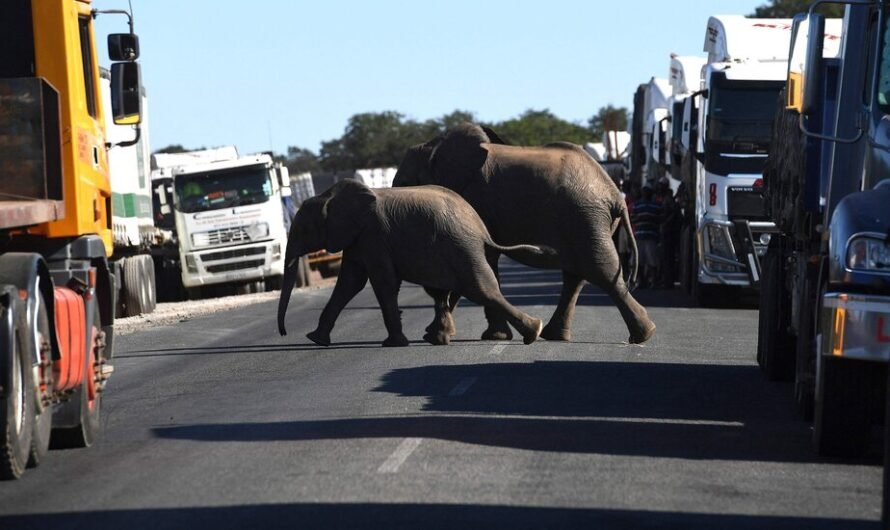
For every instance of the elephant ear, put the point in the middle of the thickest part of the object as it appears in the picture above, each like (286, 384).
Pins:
(493, 137)
(346, 213)
(459, 157)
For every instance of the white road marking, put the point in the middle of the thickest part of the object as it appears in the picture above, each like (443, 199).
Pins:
(398, 457)
(498, 348)
(462, 386)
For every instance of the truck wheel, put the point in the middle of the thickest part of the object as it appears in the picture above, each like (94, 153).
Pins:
(17, 407)
(85, 397)
(43, 422)
(775, 352)
(134, 294)
(151, 291)
(842, 424)
(686, 269)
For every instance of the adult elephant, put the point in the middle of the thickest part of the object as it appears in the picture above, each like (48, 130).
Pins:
(555, 196)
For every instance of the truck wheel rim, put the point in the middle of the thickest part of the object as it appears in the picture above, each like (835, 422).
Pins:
(17, 394)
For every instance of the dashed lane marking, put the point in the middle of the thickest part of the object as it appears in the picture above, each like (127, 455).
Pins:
(398, 457)
(462, 386)
(499, 348)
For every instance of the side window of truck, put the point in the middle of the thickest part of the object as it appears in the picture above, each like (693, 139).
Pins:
(86, 52)
(884, 67)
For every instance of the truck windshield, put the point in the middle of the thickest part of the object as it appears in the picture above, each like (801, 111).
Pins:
(200, 192)
(740, 119)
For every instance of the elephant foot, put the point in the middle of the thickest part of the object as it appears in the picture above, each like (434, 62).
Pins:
(643, 336)
(397, 341)
(534, 332)
(322, 339)
(440, 338)
(497, 334)
(450, 330)
(552, 332)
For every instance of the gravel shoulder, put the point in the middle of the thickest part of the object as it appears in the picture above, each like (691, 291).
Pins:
(171, 313)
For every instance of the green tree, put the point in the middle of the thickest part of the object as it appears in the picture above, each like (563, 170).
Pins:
(538, 127)
(174, 148)
(789, 8)
(299, 160)
(607, 118)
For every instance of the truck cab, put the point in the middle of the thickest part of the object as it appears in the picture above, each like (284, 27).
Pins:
(229, 218)
(730, 120)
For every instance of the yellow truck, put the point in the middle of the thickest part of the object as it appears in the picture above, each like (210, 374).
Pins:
(57, 290)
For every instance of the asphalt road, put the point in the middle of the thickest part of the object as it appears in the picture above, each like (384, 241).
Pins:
(217, 422)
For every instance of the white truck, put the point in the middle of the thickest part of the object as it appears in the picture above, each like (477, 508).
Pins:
(648, 130)
(133, 230)
(727, 127)
(228, 218)
(685, 80)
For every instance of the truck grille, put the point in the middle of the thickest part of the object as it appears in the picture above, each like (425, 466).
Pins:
(234, 253)
(228, 235)
(746, 202)
(238, 265)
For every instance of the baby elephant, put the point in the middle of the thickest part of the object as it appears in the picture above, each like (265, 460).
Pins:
(426, 235)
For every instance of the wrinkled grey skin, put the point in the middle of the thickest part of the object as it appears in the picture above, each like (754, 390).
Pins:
(555, 196)
(426, 235)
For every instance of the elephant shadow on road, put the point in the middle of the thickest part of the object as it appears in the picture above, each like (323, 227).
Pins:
(638, 409)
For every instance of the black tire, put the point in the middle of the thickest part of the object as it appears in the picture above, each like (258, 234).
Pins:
(17, 407)
(133, 289)
(87, 430)
(43, 422)
(687, 246)
(842, 422)
(805, 346)
(775, 349)
(151, 290)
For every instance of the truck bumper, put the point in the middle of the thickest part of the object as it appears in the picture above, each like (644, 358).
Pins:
(233, 264)
(856, 326)
(725, 261)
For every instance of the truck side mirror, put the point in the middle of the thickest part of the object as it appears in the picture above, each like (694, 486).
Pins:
(123, 46)
(812, 67)
(126, 93)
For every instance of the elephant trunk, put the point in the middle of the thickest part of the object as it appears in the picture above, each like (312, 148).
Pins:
(291, 267)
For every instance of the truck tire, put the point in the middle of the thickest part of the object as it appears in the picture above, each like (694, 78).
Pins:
(88, 401)
(842, 422)
(805, 364)
(43, 422)
(17, 406)
(134, 289)
(687, 247)
(775, 350)
(151, 291)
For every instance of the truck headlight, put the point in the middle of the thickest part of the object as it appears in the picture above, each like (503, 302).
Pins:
(868, 254)
(257, 231)
(201, 239)
(191, 264)
(718, 241)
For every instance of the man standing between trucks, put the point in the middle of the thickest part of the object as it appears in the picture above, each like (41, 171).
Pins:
(646, 221)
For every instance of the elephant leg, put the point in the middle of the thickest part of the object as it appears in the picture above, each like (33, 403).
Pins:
(386, 289)
(351, 279)
(441, 329)
(447, 320)
(497, 323)
(484, 291)
(606, 274)
(560, 325)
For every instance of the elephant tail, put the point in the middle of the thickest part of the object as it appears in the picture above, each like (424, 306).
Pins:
(625, 222)
(538, 256)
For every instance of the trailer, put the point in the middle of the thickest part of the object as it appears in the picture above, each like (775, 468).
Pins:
(132, 221)
(57, 294)
(825, 305)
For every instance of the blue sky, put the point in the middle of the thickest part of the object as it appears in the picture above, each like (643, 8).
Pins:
(276, 73)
